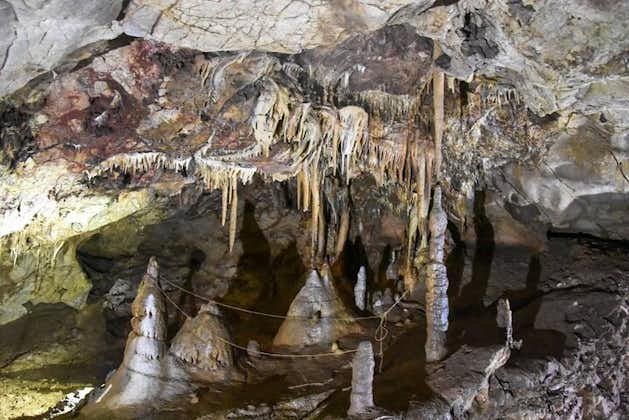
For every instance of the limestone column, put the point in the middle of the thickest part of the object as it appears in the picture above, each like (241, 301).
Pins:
(436, 283)
(361, 398)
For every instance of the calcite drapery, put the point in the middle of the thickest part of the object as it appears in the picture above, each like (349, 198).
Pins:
(436, 283)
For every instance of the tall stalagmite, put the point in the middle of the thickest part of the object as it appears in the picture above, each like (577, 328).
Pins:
(361, 398)
(436, 283)
(146, 375)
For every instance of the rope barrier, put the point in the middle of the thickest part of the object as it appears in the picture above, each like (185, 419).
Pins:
(259, 352)
(250, 311)
(381, 333)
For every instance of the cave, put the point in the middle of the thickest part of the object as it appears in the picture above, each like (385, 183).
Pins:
(281, 209)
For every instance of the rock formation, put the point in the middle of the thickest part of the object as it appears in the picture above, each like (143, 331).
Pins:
(241, 141)
(147, 375)
(464, 376)
(317, 315)
(360, 289)
(202, 344)
(363, 365)
(436, 283)
(504, 319)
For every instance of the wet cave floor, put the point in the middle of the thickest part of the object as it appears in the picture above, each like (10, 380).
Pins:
(55, 349)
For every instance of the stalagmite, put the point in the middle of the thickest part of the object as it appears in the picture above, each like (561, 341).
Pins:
(146, 374)
(360, 289)
(361, 398)
(148, 309)
(317, 315)
(201, 344)
(504, 319)
(436, 283)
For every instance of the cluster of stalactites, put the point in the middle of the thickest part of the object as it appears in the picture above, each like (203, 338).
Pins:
(325, 137)
(270, 111)
(420, 203)
(491, 94)
(386, 106)
(322, 140)
(133, 163)
(225, 175)
(148, 323)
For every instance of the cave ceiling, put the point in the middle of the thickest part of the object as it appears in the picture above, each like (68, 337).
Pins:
(109, 108)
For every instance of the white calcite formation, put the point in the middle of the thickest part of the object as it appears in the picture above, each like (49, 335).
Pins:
(360, 288)
(317, 315)
(504, 319)
(436, 283)
(361, 398)
(147, 375)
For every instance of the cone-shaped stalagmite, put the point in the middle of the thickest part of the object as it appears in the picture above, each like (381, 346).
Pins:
(202, 344)
(146, 374)
(317, 315)
(436, 283)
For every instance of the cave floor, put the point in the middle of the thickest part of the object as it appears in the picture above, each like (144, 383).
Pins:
(55, 349)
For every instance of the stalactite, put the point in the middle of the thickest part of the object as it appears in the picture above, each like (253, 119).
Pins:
(299, 180)
(353, 133)
(233, 216)
(316, 209)
(451, 81)
(343, 231)
(305, 202)
(438, 99)
(411, 234)
(321, 240)
(224, 202)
